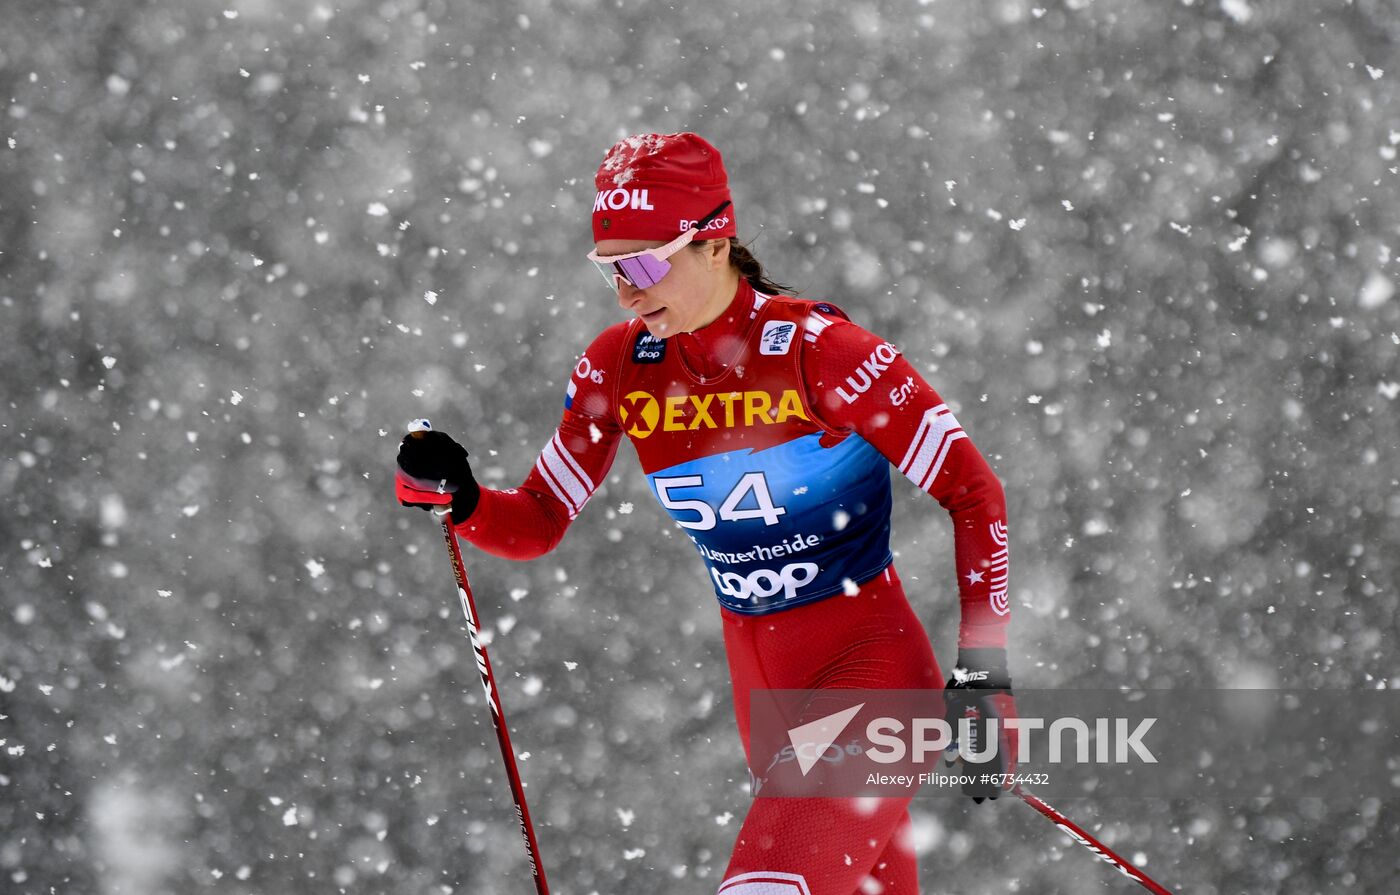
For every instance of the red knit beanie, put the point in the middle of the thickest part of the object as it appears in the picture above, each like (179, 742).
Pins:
(656, 186)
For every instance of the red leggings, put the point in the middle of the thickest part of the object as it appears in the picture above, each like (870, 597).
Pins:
(827, 846)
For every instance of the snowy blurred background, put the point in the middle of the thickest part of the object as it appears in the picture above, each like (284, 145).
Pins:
(1146, 249)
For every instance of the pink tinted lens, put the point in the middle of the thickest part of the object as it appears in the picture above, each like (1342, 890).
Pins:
(643, 270)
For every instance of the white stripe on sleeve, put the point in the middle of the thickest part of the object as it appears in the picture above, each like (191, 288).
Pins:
(573, 466)
(564, 475)
(770, 882)
(929, 448)
(553, 486)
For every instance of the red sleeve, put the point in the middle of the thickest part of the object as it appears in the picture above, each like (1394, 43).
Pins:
(858, 382)
(526, 522)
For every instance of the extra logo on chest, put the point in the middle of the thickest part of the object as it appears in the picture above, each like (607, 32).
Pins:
(643, 413)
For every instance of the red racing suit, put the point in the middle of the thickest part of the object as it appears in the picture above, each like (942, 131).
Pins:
(768, 436)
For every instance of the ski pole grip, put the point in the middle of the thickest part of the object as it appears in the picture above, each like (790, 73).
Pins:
(423, 425)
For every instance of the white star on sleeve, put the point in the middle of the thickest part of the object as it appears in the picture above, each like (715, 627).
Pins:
(974, 577)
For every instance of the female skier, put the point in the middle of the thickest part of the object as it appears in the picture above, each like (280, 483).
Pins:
(766, 426)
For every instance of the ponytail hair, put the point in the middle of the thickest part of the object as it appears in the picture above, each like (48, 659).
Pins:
(749, 268)
(742, 260)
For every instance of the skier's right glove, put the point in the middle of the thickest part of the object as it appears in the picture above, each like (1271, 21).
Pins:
(979, 691)
(433, 472)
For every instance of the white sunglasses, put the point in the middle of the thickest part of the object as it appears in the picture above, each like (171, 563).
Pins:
(647, 267)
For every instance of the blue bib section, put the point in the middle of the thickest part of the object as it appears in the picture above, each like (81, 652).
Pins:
(785, 525)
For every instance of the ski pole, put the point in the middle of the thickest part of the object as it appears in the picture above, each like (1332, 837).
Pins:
(493, 697)
(1101, 851)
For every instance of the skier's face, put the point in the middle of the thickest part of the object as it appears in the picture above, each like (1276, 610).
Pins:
(687, 298)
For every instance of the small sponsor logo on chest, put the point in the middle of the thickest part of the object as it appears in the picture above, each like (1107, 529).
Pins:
(643, 413)
(777, 337)
(648, 349)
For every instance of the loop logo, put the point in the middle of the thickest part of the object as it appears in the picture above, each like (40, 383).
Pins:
(765, 582)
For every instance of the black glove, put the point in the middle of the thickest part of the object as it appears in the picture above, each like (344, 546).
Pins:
(433, 471)
(980, 689)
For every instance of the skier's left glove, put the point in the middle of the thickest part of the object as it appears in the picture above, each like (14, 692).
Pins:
(433, 470)
(980, 690)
